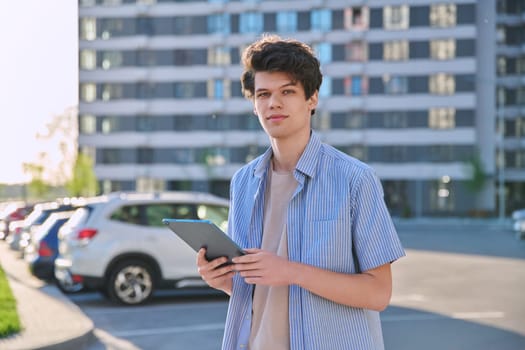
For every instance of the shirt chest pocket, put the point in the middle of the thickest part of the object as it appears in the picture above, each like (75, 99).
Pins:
(328, 244)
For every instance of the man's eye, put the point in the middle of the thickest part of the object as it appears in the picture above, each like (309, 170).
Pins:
(262, 94)
(286, 92)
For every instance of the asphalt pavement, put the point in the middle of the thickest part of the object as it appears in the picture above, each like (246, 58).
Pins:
(487, 268)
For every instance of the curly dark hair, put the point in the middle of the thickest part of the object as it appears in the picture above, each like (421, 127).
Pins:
(271, 53)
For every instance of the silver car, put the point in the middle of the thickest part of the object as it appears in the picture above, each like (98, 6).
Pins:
(118, 245)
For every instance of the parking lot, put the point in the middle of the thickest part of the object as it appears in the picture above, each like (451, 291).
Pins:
(460, 287)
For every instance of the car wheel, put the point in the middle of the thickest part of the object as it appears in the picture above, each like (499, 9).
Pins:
(131, 282)
(68, 286)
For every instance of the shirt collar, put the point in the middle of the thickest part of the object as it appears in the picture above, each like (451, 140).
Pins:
(307, 163)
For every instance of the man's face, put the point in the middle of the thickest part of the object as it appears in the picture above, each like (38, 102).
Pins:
(281, 105)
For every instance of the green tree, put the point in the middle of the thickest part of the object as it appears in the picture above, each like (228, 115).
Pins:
(83, 181)
(37, 187)
(477, 178)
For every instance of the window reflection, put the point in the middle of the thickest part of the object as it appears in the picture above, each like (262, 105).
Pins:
(251, 22)
(395, 85)
(111, 59)
(324, 52)
(321, 20)
(356, 51)
(396, 17)
(88, 59)
(356, 85)
(356, 18)
(88, 124)
(88, 92)
(443, 49)
(219, 23)
(395, 50)
(88, 28)
(443, 15)
(287, 22)
(219, 56)
(442, 118)
(442, 84)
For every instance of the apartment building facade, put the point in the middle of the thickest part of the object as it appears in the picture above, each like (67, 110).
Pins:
(410, 87)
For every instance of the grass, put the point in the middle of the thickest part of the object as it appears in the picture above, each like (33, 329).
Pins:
(9, 321)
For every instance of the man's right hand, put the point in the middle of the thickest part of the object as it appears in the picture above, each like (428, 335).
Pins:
(216, 277)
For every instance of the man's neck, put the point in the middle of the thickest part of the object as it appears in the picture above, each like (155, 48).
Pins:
(286, 153)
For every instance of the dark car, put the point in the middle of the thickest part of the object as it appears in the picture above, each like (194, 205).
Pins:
(43, 249)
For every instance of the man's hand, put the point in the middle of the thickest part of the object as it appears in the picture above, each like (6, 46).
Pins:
(215, 276)
(262, 267)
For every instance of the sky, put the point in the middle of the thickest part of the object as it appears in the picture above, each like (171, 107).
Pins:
(38, 75)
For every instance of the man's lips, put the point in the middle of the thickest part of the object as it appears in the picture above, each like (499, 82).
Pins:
(276, 117)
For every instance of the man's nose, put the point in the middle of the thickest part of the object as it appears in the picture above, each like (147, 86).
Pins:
(275, 101)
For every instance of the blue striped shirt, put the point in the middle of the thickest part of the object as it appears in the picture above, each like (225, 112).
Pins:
(336, 220)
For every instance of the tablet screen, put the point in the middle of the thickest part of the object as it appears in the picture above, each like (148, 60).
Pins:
(204, 233)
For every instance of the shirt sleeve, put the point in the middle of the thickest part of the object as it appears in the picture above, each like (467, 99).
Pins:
(375, 239)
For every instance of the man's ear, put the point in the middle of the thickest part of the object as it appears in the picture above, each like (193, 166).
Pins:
(313, 100)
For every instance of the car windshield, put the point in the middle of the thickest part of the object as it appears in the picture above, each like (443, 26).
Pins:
(77, 218)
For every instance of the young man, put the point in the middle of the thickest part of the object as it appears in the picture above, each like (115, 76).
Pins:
(319, 237)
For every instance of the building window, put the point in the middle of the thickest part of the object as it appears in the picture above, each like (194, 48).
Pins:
(219, 89)
(251, 22)
(321, 20)
(286, 22)
(395, 85)
(443, 49)
(356, 18)
(443, 15)
(442, 118)
(109, 125)
(148, 184)
(87, 3)
(442, 84)
(88, 92)
(356, 85)
(395, 120)
(219, 56)
(112, 92)
(326, 87)
(88, 28)
(324, 52)
(396, 17)
(144, 155)
(520, 65)
(111, 27)
(88, 124)
(395, 50)
(219, 23)
(88, 59)
(111, 59)
(441, 195)
(502, 65)
(356, 51)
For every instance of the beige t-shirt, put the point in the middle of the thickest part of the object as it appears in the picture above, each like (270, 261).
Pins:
(270, 324)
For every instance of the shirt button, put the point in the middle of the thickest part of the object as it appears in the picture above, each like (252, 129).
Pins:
(242, 346)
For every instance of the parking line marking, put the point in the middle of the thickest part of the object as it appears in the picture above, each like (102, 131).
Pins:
(454, 315)
(181, 329)
(478, 315)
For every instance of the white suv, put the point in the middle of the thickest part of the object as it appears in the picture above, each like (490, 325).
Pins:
(117, 244)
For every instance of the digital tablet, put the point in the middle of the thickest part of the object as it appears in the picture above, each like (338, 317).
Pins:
(204, 233)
